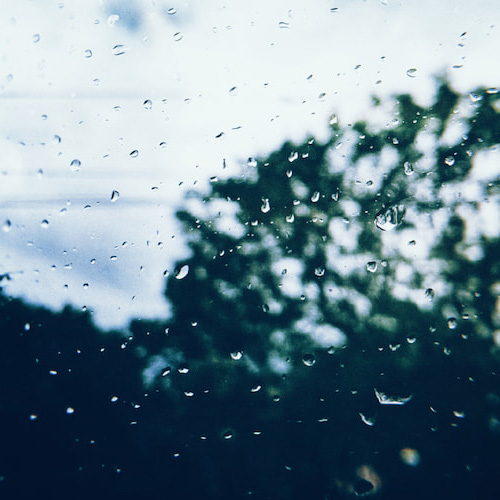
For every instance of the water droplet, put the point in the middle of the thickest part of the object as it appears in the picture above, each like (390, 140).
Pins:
(171, 11)
(450, 161)
(163, 145)
(289, 173)
(36, 38)
(384, 399)
(182, 272)
(429, 294)
(459, 414)
(408, 168)
(333, 120)
(88, 53)
(293, 156)
(114, 196)
(178, 36)
(236, 355)
(75, 165)
(308, 359)
(33, 416)
(7, 226)
(315, 197)
(290, 218)
(183, 369)
(134, 153)
(232, 91)
(45, 223)
(412, 72)
(284, 25)
(452, 323)
(256, 388)
(388, 218)
(409, 456)
(113, 19)
(371, 266)
(366, 420)
(56, 139)
(252, 162)
(265, 205)
(119, 50)
(70, 410)
(319, 271)
(147, 104)
(228, 435)
(189, 394)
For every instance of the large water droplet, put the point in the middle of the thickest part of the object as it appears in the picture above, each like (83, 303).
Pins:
(388, 218)
(182, 272)
(114, 196)
(119, 50)
(384, 399)
(265, 206)
(75, 165)
(309, 359)
(450, 161)
(408, 168)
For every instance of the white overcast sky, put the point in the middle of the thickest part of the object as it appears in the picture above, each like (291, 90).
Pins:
(66, 93)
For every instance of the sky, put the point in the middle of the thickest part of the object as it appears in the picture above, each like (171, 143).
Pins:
(150, 99)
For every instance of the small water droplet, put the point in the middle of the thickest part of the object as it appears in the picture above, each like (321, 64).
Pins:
(171, 11)
(412, 72)
(75, 165)
(163, 145)
(183, 369)
(315, 197)
(189, 394)
(166, 371)
(384, 399)
(289, 173)
(119, 50)
(227, 435)
(182, 272)
(114, 196)
(56, 139)
(308, 359)
(7, 226)
(408, 168)
(265, 205)
(114, 399)
(450, 161)
(293, 156)
(252, 162)
(88, 54)
(284, 25)
(70, 410)
(459, 414)
(452, 323)
(256, 388)
(147, 104)
(388, 218)
(236, 355)
(113, 19)
(429, 294)
(36, 38)
(333, 120)
(232, 91)
(44, 223)
(290, 218)
(409, 456)
(33, 416)
(366, 420)
(134, 153)
(319, 271)
(371, 266)
(178, 36)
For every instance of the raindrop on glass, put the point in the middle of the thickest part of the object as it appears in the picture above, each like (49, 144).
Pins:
(178, 36)
(114, 196)
(232, 91)
(293, 156)
(75, 165)
(408, 168)
(319, 271)
(119, 50)
(147, 104)
(182, 272)
(45, 223)
(236, 355)
(70, 410)
(452, 323)
(134, 153)
(7, 226)
(388, 218)
(36, 38)
(171, 11)
(371, 266)
(450, 161)
(252, 162)
(429, 294)
(265, 206)
(308, 359)
(315, 197)
(88, 54)
(56, 139)
(412, 72)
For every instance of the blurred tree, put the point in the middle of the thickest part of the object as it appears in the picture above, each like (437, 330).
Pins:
(344, 297)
